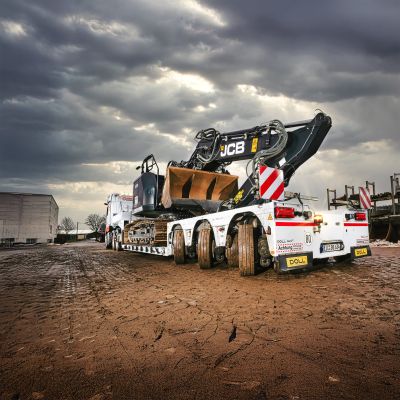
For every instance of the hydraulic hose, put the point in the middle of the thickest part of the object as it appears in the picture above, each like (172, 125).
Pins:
(277, 148)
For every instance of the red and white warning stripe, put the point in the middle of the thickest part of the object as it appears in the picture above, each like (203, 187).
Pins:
(271, 183)
(365, 198)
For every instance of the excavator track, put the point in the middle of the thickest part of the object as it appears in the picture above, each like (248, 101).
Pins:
(146, 232)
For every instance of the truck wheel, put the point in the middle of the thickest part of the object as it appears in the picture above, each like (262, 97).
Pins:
(113, 241)
(232, 251)
(248, 258)
(205, 248)
(179, 247)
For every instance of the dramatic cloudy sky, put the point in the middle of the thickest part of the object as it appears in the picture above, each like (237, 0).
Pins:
(88, 88)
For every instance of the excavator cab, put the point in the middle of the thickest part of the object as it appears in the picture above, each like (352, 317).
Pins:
(147, 189)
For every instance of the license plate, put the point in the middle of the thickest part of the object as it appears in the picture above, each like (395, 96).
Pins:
(361, 252)
(327, 247)
(293, 262)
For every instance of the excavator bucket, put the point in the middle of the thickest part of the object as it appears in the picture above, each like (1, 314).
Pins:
(187, 188)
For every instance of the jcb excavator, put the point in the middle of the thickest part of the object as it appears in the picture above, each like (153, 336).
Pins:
(197, 210)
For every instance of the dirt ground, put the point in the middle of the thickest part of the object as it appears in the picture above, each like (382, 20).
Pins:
(80, 322)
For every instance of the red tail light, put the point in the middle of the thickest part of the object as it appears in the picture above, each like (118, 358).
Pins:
(284, 212)
(360, 216)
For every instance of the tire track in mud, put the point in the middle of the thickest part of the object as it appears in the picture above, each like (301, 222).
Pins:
(103, 310)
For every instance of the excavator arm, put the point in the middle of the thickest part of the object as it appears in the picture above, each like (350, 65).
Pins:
(274, 144)
(284, 146)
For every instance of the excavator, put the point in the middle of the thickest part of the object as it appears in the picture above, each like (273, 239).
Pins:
(203, 185)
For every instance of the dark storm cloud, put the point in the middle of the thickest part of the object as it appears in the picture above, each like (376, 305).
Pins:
(88, 82)
(314, 50)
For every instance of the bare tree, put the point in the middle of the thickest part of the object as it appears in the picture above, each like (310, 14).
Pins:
(67, 224)
(94, 221)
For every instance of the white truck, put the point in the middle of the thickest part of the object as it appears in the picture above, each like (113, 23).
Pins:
(119, 213)
(198, 212)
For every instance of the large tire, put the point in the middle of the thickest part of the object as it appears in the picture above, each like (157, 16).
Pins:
(205, 248)
(179, 247)
(248, 256)
(232, 251)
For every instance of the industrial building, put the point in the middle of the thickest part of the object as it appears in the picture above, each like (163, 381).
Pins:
(27, 218)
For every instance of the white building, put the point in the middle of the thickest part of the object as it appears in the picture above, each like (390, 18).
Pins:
(27, 218)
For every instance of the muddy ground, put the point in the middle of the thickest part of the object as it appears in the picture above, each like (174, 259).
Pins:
(80, 322)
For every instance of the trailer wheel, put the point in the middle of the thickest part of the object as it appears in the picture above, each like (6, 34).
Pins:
(248, 257)
(205, 249)
(232, 251)
(179, 247)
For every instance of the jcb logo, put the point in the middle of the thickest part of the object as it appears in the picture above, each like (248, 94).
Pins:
(232, 148)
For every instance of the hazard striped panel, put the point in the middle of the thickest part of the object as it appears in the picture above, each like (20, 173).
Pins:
(365, 198)
(271, 183)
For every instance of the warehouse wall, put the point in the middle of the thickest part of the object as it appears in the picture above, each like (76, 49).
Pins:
(28, 218)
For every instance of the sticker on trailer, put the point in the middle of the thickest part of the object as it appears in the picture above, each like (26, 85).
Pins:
(362, 240)
(365, 198)
(288, 246)
(271, 183)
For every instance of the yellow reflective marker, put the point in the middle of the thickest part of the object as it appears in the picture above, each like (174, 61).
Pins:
(238, 196)
(254, 145)
(296, 261)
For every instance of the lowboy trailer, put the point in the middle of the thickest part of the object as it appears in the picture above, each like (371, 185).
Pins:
(284, 235)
